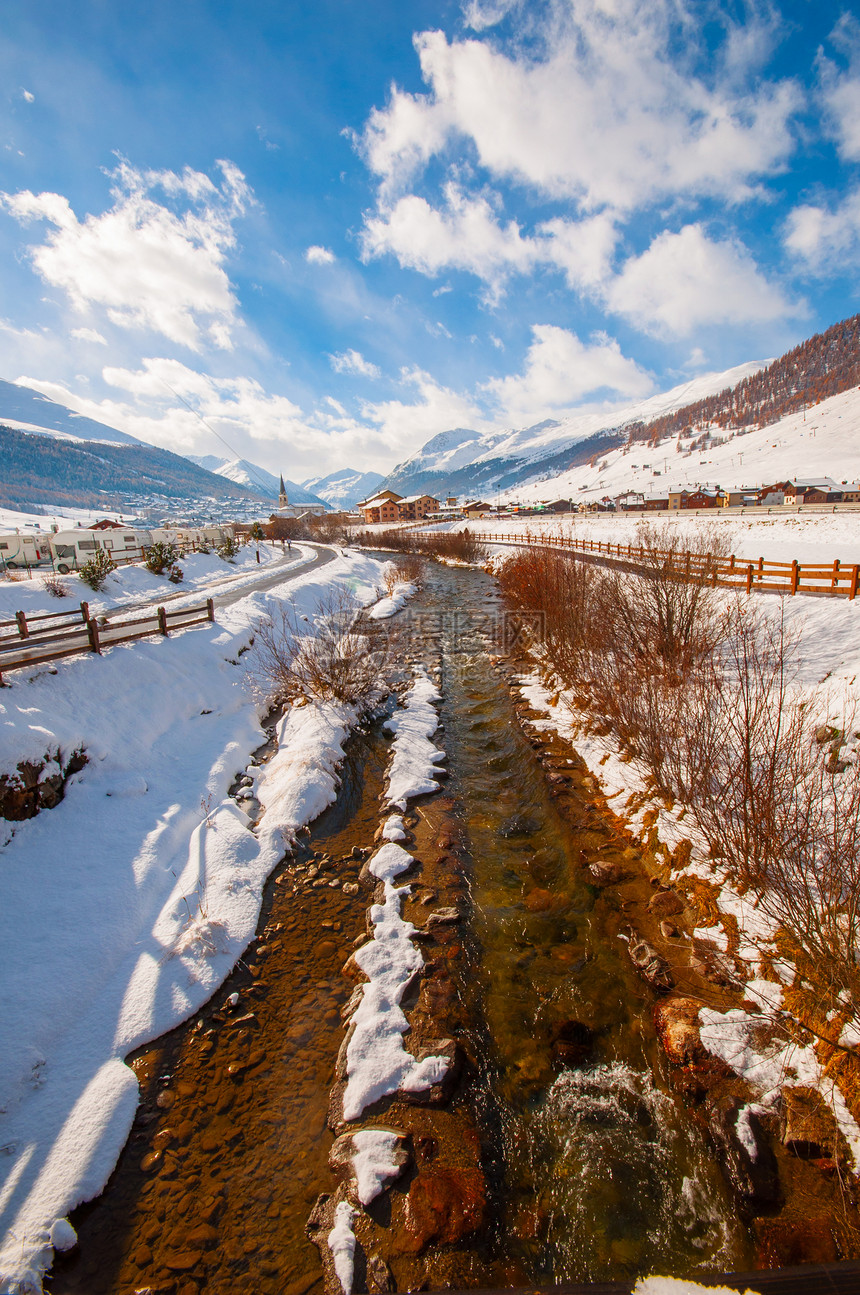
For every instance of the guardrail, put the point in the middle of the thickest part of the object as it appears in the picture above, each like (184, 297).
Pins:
(834, 578)
(35, 646)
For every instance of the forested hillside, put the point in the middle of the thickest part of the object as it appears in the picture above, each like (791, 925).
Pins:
(823, 366)
(39, 470)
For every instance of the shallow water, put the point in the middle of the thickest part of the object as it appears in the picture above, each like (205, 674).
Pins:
(599, 1174)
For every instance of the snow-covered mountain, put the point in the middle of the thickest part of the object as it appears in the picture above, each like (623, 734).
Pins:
(821, 441)
(246, 473)
(462, 461)
(343, 489)
(27, 410)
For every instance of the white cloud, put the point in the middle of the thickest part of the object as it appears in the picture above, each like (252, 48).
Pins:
(404, 426)
(355, 363)
(28, 96)
(89, 335)
(840, 88)
(623, 104)
(481, 14)
(583, 249)
(686, 280)
(317, 255)
(560, 371)
(147, 265)
(825, 238)
(465, 235)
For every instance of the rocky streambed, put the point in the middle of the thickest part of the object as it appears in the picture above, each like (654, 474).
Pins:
(551, 1114)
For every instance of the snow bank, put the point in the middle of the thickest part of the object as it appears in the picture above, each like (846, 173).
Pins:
(126, 906)
(395, 601)
(377, 1062)
(413, 769)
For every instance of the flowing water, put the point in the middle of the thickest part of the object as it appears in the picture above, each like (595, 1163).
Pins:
(599, 1174)
(594, 1170)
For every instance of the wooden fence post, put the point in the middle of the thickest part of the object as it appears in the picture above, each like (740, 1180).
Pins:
(852, 592)
(732, 562)
(749, 577)
(210, 609)
(85, 612)
(795, 575)
(22, 625)
(834, 579)
(93, 632)
(162, 620)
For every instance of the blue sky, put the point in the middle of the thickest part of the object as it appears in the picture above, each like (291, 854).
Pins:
(334, 230)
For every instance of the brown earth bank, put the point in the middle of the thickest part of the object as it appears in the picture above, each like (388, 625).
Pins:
(237, 1157)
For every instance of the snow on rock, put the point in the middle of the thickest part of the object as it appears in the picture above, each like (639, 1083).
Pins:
(413, 769)
(683, 1286)
(768, 1065)
(394, 829)
(375, 1162)
(395, 601)
(63, 1235)
(377, 1062)
(127, 905)
(341, 1243)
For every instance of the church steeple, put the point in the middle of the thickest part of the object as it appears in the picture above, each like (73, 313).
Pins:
(283, 502)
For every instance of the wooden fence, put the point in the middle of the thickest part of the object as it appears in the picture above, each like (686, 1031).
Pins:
(35, 642)
(833, 578)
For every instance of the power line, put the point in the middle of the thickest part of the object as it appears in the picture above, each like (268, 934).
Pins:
(222, 439)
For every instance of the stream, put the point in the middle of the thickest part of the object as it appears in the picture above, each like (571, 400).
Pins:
(592, 1169)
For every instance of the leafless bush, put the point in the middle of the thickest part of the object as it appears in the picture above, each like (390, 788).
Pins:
(405, 570)
(339, 656)
(709, 698)
(56, 587)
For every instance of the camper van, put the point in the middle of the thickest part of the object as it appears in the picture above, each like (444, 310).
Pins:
(73, 548)
(24, 550)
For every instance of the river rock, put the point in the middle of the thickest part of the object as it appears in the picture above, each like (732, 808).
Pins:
(708, 962)
(570, 1042)
(379, 1276)
(807, 1126)
(649, 964)
(539, 900)
(604, 873)
(442, 917)
(744, 1153)
(666, 903)
(443, 1206)
(676, 1020)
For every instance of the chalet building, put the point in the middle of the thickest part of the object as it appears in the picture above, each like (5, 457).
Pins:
(381, 508)
(630, 501)
(812, 490)
(701, 498)
(475, 510)
(677, 499)
(561, 506)
(415, 507)
(656, 503)
(851, 492)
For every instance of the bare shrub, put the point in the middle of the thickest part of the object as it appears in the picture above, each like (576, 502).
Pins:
(340, 656)
(408, 569)
(56, 587)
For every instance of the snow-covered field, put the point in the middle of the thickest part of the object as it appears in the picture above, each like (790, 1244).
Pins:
(127, 905)
(780, 536)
